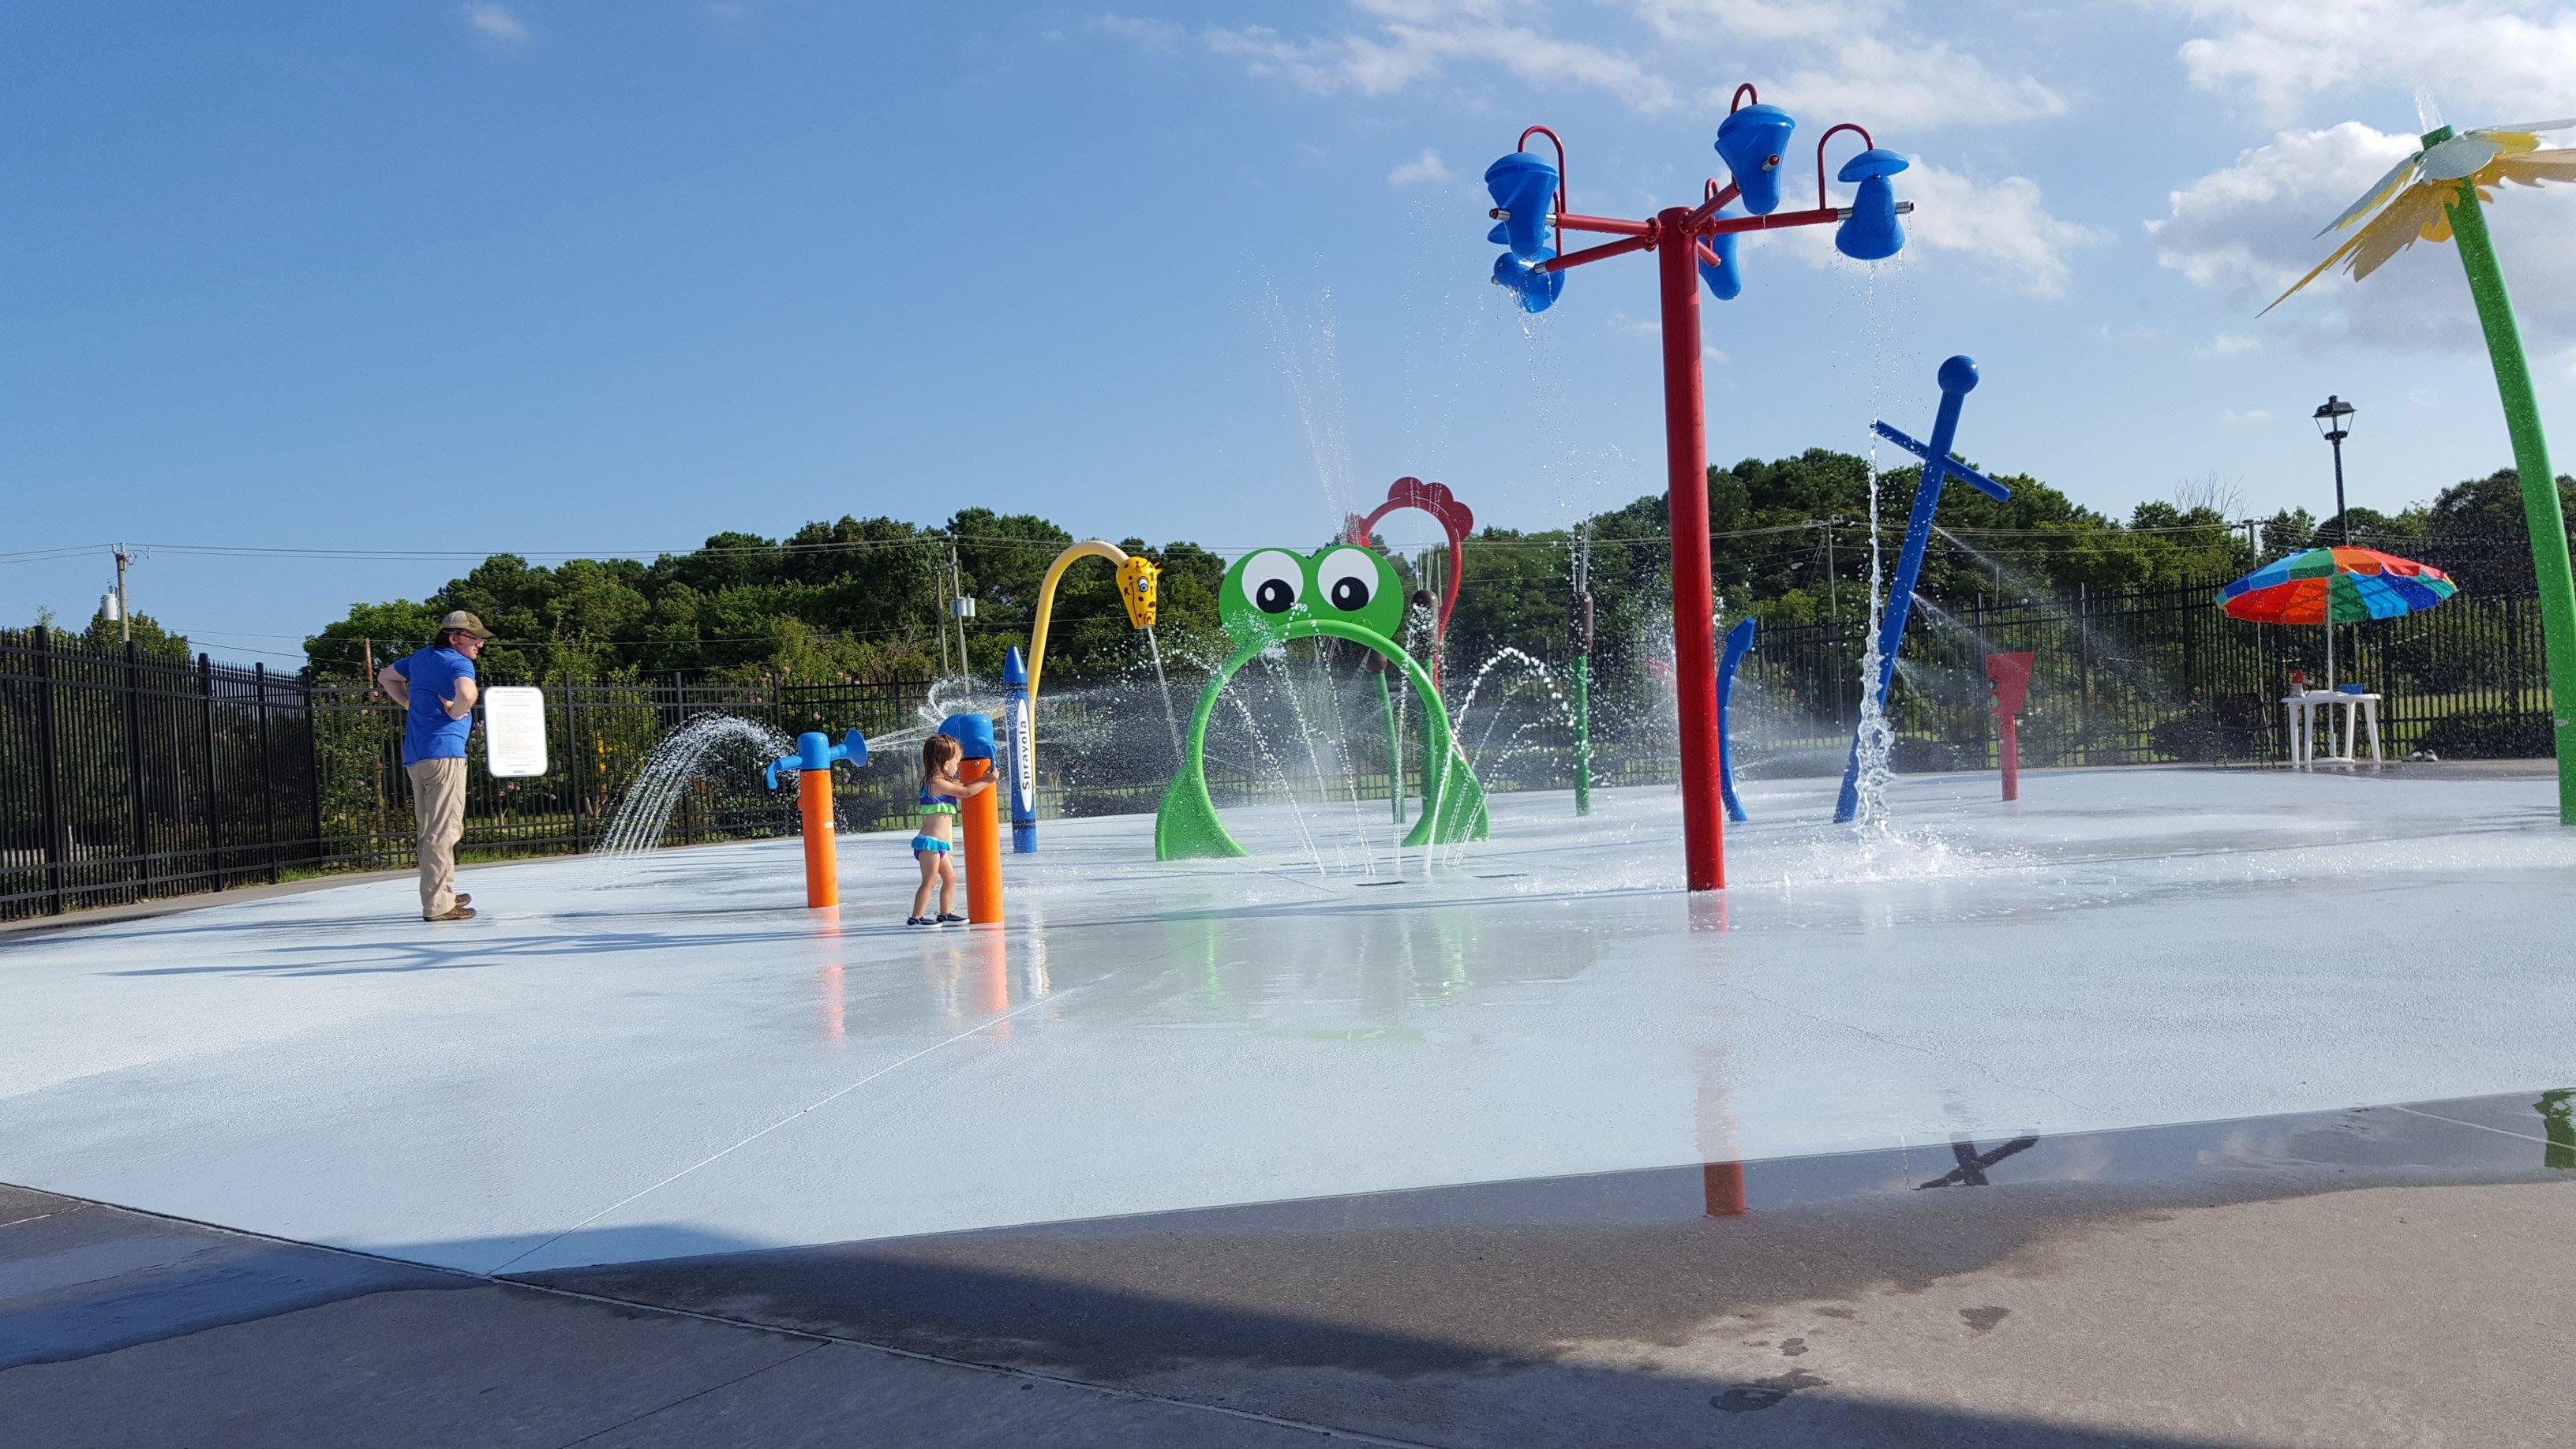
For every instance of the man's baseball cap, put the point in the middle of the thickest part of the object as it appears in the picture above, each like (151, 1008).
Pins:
(463, 622)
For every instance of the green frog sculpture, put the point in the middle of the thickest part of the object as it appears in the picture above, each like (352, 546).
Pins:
(1342, 592)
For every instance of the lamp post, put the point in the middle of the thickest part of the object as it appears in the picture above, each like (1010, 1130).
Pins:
(2334, 421)
(1693, 244)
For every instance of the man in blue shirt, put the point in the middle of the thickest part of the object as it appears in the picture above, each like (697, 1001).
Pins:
(436, 688)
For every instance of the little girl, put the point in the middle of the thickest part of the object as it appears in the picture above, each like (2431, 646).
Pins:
(940, 792)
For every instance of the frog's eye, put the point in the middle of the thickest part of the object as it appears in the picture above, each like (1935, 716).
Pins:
(1348, 577)
(1272, 580)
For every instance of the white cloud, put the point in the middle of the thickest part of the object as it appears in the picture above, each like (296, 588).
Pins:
(1838, 57)
(2247, 231)
(2488, 60)
(496, 23)
(1920, 85)
(2247, 418)
(2005, 222)
(1150, 34)
(1742, 20)
(1401, 53)
(1422, 170)
(2234, 344)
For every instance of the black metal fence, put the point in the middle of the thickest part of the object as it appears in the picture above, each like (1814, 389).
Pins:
(2154, 676)
(598, 738)
(124, 777)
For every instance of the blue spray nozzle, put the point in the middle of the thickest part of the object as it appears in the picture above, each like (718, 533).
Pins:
(1532, 290)
(1524, 191)
(1725, 281)
(815, 751)
(972, 732)
(1751, 141)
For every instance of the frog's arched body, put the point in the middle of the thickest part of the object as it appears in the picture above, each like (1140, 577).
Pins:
(1342, 592)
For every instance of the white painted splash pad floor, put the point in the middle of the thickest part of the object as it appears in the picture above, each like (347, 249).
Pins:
(674, 1057)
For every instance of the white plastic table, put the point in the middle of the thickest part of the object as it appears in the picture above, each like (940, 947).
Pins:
(2303, 708)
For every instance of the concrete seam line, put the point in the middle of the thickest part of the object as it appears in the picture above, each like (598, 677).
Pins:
(809, 1109)
(1357, 1436)
(810, 1348)
(2481, 1126)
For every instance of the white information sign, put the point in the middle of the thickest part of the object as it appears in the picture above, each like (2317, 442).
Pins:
(514, 730)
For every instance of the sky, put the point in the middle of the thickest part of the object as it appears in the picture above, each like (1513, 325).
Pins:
(380, 289)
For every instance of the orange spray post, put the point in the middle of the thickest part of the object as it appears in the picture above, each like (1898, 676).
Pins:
(2009, 676)
(813, 760)
(979, 819)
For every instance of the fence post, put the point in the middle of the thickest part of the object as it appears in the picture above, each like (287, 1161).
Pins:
(58, 842)
(313, 752)
(206, 748)
(572, 759)
(135, 785)
(267, 775)
(2083, 676)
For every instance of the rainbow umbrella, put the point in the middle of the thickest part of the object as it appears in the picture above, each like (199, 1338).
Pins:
(2335, 586)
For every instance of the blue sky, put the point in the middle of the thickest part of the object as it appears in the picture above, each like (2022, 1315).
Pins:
(591, 278)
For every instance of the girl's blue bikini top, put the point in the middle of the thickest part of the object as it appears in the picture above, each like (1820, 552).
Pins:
(938, 804)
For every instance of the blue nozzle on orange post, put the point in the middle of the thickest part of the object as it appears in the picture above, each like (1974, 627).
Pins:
(1524, 192)
(1532, 290)
(815, 751)
(1725, 280)
(1871, 233)
(972, 732)
(1751, 141)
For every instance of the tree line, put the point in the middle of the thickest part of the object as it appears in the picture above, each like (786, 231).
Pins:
(868, 598)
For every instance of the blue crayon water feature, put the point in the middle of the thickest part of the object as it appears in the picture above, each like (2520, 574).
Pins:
(1019, 758)
(1958, 377)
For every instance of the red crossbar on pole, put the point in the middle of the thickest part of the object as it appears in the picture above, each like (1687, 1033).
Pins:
(1817, 217)
(1718, 196)
(1608, 225)
(1694, 601)
(1619, 248)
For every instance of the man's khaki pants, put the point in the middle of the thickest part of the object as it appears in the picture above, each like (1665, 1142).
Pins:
(438, 799)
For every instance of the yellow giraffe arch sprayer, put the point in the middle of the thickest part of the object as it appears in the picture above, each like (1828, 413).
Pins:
(1138, 586)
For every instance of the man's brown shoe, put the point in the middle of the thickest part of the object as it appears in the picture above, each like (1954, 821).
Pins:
(463, 899)
(454, 913)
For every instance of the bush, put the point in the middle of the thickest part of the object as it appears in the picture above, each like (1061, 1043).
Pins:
(2492, 735)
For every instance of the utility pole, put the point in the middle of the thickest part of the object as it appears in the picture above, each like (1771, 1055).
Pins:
(939, 596)
(124, 607)
(1833, 608)
(964, 609)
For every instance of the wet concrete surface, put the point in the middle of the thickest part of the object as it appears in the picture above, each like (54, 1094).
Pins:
(1442, 1149)
(670, 1057)
(1453, 1278)
(2378, 1276)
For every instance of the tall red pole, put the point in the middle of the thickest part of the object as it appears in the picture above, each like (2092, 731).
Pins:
(2008, 727)
(1694, 600)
